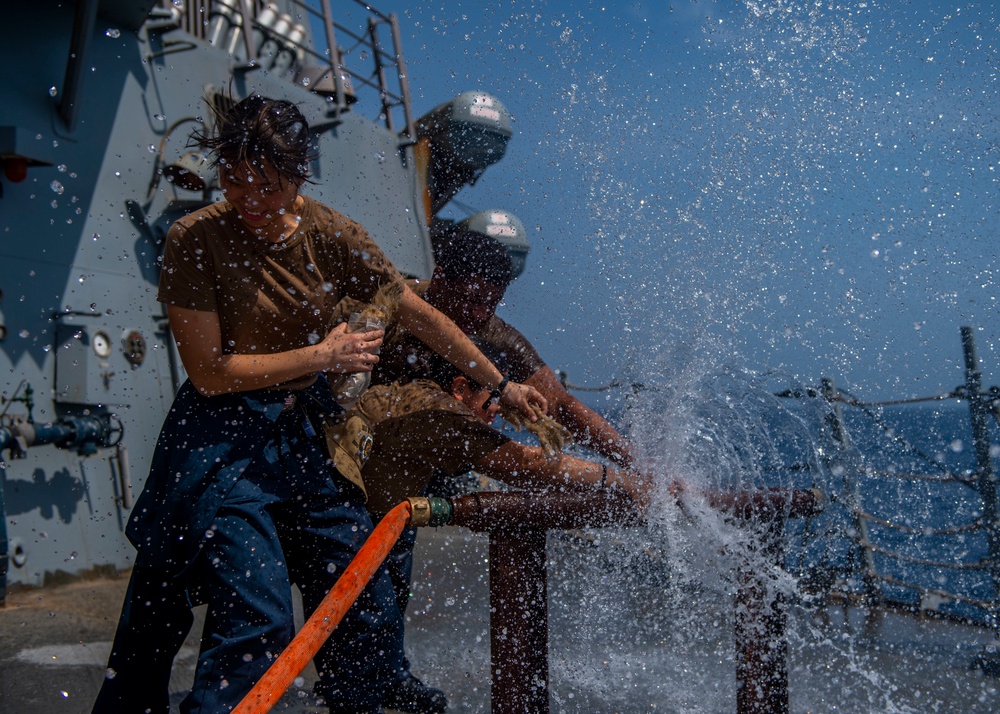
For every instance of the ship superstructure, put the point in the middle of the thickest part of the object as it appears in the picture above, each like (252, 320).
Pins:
(99, 98)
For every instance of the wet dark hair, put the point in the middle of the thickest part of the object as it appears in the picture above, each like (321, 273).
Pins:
(461, 254)
(444, 372)
(258, 129)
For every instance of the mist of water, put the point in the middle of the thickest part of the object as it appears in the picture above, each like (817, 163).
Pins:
(765, 193)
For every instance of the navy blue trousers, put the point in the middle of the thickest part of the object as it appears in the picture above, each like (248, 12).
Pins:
(290, 518)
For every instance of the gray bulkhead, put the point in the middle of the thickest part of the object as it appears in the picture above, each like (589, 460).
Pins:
(81, 333)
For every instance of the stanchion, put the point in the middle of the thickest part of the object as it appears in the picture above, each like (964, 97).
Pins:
(517, 523)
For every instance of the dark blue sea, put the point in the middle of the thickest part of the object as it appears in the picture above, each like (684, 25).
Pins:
(917, 482)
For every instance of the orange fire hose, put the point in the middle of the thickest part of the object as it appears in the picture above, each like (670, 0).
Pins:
(327, 616)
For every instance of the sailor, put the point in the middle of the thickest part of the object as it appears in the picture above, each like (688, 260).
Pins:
(470, 278)
(471, 275)
(442, 427)
(244, 497)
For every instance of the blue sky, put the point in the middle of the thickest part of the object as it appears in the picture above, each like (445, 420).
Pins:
(806, 187)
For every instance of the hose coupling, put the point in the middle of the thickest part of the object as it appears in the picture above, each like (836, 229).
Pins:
(429, 511)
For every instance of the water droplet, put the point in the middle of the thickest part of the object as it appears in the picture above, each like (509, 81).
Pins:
(112, 33)
(53, 91)
(57, 187)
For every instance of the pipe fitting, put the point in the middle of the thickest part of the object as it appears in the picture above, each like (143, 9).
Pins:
(432, 511)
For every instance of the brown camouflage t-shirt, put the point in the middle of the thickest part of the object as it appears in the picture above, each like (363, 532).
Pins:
(419, 431)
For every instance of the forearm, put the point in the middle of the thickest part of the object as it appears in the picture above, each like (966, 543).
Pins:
(241, 373)
(588, 427)
(525, 466)
(592, 431)
(212, 371)
(438, 332)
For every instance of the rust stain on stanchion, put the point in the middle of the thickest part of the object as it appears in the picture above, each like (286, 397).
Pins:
(761, 619)
(761, 615)
(517, 523)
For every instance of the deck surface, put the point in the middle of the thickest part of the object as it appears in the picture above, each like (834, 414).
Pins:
(54, 644)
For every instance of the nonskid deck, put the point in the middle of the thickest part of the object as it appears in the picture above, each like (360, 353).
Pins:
(54, 644)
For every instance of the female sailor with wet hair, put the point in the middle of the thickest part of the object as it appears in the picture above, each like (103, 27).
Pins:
(242, 498)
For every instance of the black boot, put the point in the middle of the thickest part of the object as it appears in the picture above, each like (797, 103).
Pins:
(411, 695)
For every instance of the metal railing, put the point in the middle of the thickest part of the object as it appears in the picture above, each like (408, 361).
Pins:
(288, 37)
(875, 584)
(865, 577)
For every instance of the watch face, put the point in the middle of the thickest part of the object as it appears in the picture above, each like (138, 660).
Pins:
(101, 344)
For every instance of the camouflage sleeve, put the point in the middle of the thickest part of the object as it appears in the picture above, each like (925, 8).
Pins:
(420, 431)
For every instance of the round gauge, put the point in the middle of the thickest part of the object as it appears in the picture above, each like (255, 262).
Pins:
(102, 344)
